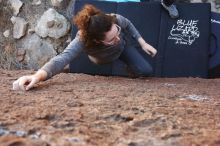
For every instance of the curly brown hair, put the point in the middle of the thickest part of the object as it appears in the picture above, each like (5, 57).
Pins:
(93, 24)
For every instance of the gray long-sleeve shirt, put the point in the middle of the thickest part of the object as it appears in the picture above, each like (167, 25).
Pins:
(76, 46)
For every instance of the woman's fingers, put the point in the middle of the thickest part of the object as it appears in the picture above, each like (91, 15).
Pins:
(23, 83)
(33, 81)
(150, 50)
(26, 82)
(153, 52)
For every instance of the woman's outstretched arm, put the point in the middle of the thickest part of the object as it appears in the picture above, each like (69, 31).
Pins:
(51, 68)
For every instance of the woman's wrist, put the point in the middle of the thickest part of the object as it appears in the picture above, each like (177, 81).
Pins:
(41, 75)
(141, 41)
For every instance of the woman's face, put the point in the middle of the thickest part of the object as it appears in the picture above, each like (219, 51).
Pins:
(112, 36)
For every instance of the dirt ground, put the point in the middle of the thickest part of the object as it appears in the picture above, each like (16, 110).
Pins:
(84, 110)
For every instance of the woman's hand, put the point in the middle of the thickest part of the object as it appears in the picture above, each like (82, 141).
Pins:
(27, 82)
(147, 48)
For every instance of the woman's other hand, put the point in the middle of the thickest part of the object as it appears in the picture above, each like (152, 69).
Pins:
(147, 48)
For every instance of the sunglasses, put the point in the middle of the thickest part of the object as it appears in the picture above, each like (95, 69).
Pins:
(112, 42)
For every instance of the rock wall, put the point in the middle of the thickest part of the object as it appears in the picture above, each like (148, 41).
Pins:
(33, 31)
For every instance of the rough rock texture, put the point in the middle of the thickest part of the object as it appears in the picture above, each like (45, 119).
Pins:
(36, 2)
(83, 110)
(16, 5)
(6, 33)
(20, 27)
(52, 24)
(31, 12)
(38, 51)
(56, 2)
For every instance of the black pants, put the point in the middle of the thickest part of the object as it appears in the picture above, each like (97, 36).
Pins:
(166, 2)
(139, 66)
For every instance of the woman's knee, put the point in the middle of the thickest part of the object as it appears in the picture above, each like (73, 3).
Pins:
(143, 71)
(146, 71)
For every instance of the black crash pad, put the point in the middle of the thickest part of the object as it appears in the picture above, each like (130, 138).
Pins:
(182, 44)
(214, 61)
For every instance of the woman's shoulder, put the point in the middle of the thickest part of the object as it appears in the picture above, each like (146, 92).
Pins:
(115, 15)
(112, 14)
(119, 18)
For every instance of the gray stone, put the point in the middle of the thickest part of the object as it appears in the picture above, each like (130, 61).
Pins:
(20, 54)
(20, 27)
(36, 2)
(6, 33)
(217, 2)
(38, 51)
(52, 24)
(31, 31)
(3, 132)
(16, 5)
(56, 3)
(217, 6)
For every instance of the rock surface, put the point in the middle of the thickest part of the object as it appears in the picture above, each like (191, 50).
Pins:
(20, 27)
(16, 5)
(54, 31)
(83, 110)
(38, 51)
(52, 24)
